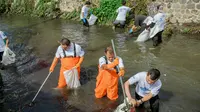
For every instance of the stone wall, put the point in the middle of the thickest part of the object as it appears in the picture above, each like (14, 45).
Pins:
(70, 5)
(182, 11)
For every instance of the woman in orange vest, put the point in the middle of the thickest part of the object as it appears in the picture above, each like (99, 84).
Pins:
(70, 55)
(107, 79)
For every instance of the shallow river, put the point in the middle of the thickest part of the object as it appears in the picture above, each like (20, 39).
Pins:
(177, 58)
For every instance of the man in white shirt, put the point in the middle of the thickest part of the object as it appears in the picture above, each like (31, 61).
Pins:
(71, 55)
(3, 43)
(147, 88)
(84, 13)
(157, 30)
(121, 17)
(107, 79)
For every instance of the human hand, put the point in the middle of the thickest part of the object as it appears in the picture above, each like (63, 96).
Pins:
(138, 102)
(51, 69)
(116, 61)
(134, 28)
(133, 102)
(77, 65)
(121, 72)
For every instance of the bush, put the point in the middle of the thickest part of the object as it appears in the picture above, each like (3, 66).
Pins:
(106, 12)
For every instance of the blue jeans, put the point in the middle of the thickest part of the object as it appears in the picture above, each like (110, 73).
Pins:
(85, 22)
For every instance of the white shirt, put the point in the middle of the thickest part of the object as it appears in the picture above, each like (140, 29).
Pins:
(122, 13)
(2, 44)
(84, 10)
(148, 20)
(102, 61)
(159, 19)
(70, 51)
(143, 88)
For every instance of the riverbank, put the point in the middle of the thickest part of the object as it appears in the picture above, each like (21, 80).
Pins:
(105, 10)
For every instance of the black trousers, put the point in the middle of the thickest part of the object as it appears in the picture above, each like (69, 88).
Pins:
(139, 19)
(152, 104)
(157, 39)
(1, 55)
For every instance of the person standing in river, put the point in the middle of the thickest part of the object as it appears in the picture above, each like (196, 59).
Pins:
(121, 17)
(71, 55)
(3, 44)
(159, 21)
(147, 88)
(84, 13)
(107, 79)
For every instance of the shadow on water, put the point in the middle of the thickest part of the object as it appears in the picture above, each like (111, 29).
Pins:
(48, 99)
(88, 74)
(165, 95)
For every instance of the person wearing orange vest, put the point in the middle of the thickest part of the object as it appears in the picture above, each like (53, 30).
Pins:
(107, 79)
(71, 55)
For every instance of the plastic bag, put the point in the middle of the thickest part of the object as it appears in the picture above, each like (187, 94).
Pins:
(144, 36)
(122, 107)
(8, 56)
(154, 31)
(71, 77)
(92, 19)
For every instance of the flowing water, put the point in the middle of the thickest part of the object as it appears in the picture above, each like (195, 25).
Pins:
(177, 58)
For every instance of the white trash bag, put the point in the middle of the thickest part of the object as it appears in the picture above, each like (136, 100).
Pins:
(71, 77)
(92, 19)
(8, 56)
(122, 107)
(144, 36)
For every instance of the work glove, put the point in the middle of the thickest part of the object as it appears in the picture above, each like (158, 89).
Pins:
(79, 62)
(77, 65)
(130, 31)
(51, 69)
(113, 64)
(121, 72)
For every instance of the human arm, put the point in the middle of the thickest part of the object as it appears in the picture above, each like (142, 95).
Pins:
(128, 94)
(56, 58)
(54, 63)
(80, 53)
(5, 38)
(144, 99)
(103, 65)
(79, 62)
(132, 80)
(121, 72)
(82, 13)
(117, 11)
(121, 67)
(7, 41)
(151, 94)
